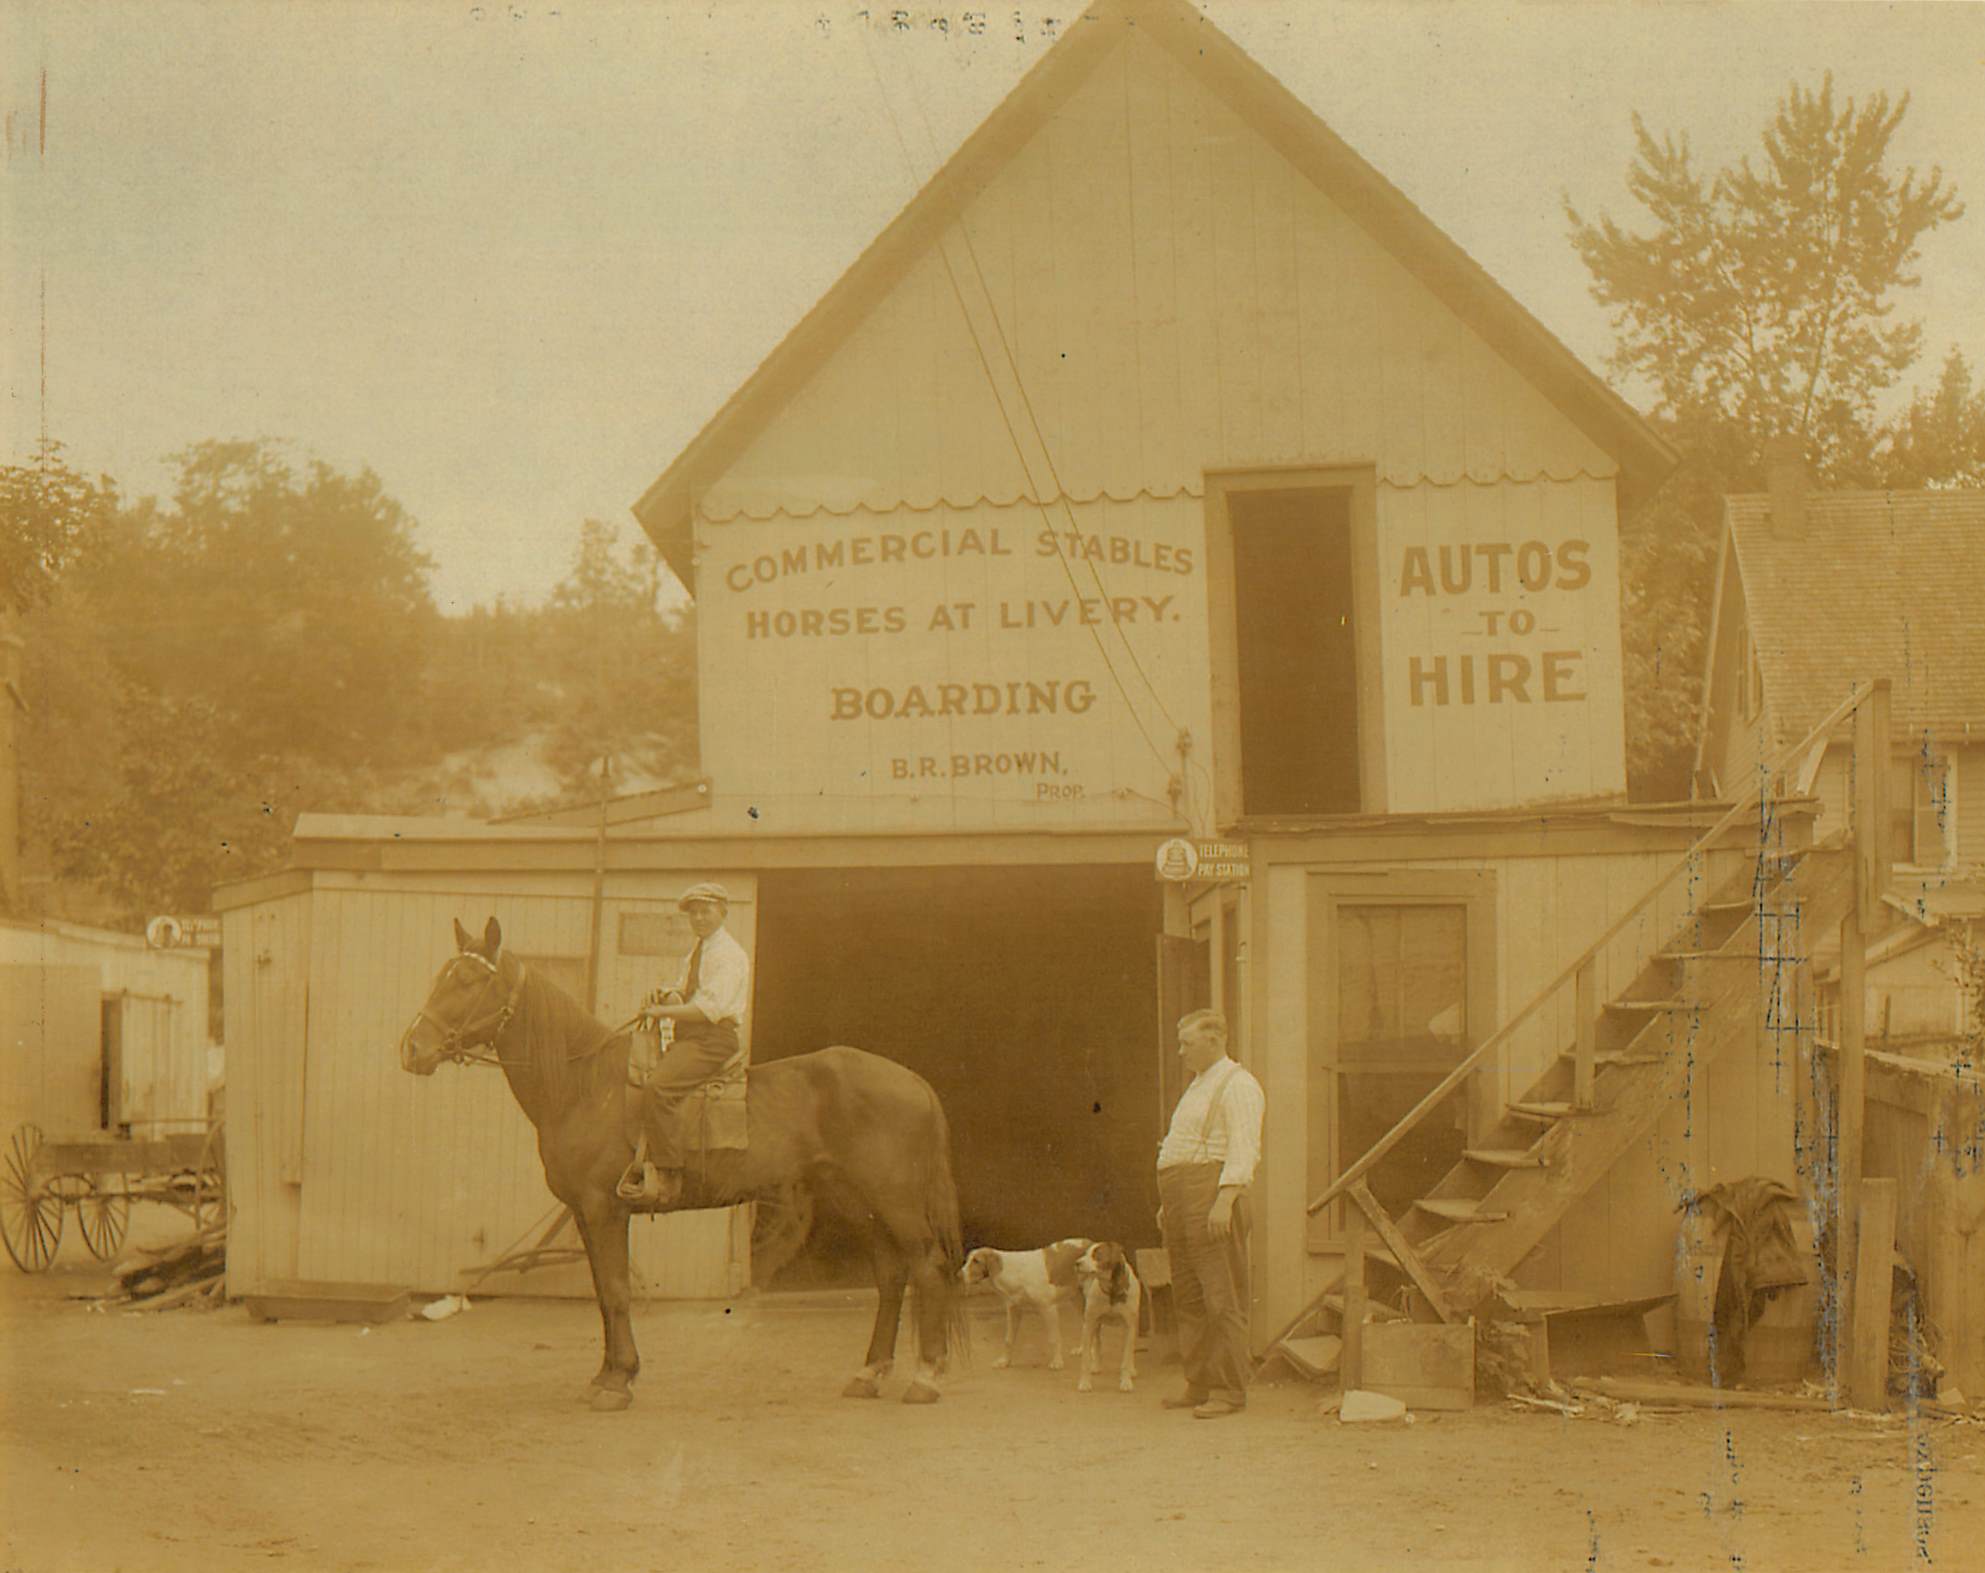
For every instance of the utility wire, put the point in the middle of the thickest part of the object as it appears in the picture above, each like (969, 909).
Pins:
(1013, 435)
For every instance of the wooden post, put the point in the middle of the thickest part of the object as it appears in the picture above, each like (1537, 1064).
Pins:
(599, 887)
(1871, 869)
(1868, 1354)
(1874, 858)
(1351, 1361)
(1585, 1006)
(10, 766)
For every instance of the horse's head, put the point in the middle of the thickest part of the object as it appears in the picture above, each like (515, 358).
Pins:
(472, 1000)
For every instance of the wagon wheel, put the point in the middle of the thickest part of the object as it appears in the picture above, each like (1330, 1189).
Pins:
(209, 1204)
(105, 1213)
(30, 1212)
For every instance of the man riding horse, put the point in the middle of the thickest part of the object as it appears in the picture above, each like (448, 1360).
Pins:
(707, 1007)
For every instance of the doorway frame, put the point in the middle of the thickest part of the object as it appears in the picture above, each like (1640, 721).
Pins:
(1223, 629)
(1325, 891)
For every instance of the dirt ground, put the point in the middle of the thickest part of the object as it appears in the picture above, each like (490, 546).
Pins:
(204, 1441)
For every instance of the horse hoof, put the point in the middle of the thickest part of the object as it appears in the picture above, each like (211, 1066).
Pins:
(920, 1393)
(610, 1400)
(862, 1387)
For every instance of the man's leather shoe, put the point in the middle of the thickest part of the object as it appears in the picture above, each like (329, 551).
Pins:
(1217, 1409)
(1185, 1400)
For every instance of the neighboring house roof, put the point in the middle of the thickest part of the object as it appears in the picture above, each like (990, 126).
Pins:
(1874, 584)
(1289, 125)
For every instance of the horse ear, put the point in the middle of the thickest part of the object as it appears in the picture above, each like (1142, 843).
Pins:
(462, 940)
(492, 938)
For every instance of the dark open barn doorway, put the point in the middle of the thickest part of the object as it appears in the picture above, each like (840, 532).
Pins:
(1026, 996)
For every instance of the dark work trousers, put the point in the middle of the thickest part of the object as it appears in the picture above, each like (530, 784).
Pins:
(1209, 1283)
(700, 1050)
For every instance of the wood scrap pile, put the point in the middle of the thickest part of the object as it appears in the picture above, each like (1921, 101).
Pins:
(192, 1271)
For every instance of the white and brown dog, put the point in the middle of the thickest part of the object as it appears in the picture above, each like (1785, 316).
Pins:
(1041, 1279)
(1109, 1290)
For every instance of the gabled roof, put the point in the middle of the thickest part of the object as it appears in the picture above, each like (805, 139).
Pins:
(1276, 114)
(1875, 584)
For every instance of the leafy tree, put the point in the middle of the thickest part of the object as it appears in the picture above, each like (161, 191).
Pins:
(295, 604)
(1940, 439)
(625, 669)
(211, 665)
(1757, 302)
(47, 516)
(1761, 301)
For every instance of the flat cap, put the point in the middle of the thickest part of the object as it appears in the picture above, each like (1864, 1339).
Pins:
(709, 890)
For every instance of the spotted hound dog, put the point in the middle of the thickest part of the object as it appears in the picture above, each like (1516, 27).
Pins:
(1109, 1290)
(1041, 1279)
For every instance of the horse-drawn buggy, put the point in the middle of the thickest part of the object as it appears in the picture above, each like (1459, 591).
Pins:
(103, 1090)
(99, 1177)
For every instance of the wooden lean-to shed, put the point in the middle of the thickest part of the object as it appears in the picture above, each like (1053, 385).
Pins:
(343, 1168)
(102, 1033)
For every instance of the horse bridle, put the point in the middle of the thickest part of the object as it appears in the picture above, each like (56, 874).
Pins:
(474, 1042)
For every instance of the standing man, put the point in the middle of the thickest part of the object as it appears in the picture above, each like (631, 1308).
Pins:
(1205, 1163)
(707, 1006)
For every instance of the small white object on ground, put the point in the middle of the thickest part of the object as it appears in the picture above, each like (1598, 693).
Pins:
(446, 1306)
(1360, 1405)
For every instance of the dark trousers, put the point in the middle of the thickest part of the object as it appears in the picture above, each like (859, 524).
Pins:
(700, 1050)
(1209, 1283)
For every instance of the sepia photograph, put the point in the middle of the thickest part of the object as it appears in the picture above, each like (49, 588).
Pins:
(1100, 784)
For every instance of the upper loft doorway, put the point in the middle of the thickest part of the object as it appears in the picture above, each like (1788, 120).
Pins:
(1295, 638)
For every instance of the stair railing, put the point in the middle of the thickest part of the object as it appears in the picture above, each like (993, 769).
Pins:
(1582, 974)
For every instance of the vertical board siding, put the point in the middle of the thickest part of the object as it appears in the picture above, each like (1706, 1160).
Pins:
(264, 947)
(398, 1178)
(1969, 806)
(829, 774)
(164, 1010)
(1619, 1239)
(1463, 749)
(1179, 298)
(1143, 292)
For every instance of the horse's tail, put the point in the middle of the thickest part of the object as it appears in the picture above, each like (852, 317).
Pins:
(941, 1218)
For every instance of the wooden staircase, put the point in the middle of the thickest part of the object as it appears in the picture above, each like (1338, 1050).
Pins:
(1726, 975)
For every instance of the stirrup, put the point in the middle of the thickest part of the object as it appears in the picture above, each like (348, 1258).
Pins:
(640, 1182)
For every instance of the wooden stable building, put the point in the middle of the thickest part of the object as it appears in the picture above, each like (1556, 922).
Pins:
(1160, 472)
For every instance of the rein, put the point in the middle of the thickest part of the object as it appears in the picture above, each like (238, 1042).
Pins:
(474, 1041)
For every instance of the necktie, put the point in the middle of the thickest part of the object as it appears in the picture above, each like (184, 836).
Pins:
(691, 978)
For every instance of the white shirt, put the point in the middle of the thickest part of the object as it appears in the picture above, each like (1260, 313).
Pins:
(1218, 1120)
(723, 979)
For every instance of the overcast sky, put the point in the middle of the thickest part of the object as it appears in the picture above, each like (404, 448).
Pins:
(513, 256)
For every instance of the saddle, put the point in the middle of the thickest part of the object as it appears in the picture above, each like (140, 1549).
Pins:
(711, 1118)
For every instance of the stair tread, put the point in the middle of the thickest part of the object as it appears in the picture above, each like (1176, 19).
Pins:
(1314, 1357)
(1375, 1310)
(1616, 1057)
(1542, 1111)
(1652, 1005)
(1457, 1210)
(1506, 1157)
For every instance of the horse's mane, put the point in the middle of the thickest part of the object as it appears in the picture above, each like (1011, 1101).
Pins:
(557, 1036)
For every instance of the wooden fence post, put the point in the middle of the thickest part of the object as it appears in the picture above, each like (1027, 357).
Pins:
(1868, 1354)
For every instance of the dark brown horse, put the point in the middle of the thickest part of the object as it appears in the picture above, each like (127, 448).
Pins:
(859, 1134)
